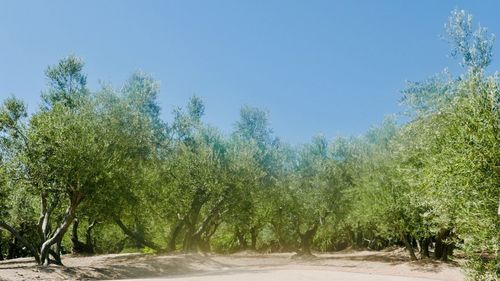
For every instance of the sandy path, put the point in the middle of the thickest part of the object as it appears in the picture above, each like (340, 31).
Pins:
(290, 275)
(360, 265)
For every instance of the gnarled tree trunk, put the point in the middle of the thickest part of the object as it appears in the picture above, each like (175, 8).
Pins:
(306, 240)
(1, 249)
(18, 236)
(58, 234)
(241, 239)
(424, 248)
(193, 238)
(199, 200)
(443, 249)
(172, 242)
(408, 245)
(138, 238)
(81, 247)
(253, 238)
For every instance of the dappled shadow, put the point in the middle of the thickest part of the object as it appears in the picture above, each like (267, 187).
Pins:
(236, 271)
(132, 266)
(145, 266)
(21, 263)
(393, 260)
(16, 261)
(430, 265)
(122, 266)
(427, 265)
(423, 265)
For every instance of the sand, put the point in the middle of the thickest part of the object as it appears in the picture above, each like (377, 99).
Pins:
(246, 266)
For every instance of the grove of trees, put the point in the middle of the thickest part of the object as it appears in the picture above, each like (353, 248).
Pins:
(101, 172)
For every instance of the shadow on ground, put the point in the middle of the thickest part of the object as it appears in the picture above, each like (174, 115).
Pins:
(133, 266)
(145, 266)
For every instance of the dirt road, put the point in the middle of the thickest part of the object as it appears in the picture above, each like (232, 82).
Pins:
(364, 265)
(317, 274)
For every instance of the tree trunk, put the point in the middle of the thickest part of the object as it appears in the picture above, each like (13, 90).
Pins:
(136, 237)
(438, 249)
(16, 234)
(77, 246)
(241, 239)
(192, 219)
(59, 233)
(56, 253)
(173, 236)
(204, 245)
(424, 244)
(188, 243)
(208, 236)
(444, 254)
(139, 231)
(441, 250)
(1, 249)
(43, 225)
(253, 233)
(42, 257)
(11, 253)
(88, 236)
(306, 239)
(193, 237)
(409, 247)
(80, 247)
(359, 239)
(447, 251)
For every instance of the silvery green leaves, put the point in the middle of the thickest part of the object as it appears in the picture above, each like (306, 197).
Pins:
(474, 46)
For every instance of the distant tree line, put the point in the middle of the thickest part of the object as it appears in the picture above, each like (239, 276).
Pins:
(101, 172)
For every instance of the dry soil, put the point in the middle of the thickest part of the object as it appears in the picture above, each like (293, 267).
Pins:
(246, 266)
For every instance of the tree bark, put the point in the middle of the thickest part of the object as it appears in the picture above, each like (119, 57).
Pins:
(88, 235)
(12, 251)
(55, 252)
(424, 244)
(208, 236)
(43, 225)
(174, 234)
(253, 235)
(241, 239)
(306, 239)
(193, 237)
(447, 251)
(408, 246)
(79, 247)
(192, 219)
(16, 234)
(1, 249)
(441, 250)
(438, 249)
(136, 237)
(60, 231)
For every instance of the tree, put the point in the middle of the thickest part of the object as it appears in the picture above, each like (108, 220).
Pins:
(475, 47)
(316, 188)
(67, 83)
(253, 133)
(131, 144)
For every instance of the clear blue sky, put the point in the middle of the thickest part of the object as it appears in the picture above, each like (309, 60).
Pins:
(334, 67)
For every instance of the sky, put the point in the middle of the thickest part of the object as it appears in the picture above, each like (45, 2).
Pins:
(330, 67)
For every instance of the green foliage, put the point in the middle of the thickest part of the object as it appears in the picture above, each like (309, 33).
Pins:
(475, 47)
(423, 98)
(67, 83)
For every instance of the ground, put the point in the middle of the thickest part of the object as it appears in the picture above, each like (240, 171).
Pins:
(346, 265)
